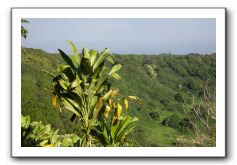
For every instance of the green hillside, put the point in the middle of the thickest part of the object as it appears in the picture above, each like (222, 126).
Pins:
(164, 83)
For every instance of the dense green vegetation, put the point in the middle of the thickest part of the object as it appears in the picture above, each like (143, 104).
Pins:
(35, 134)
(169, 88)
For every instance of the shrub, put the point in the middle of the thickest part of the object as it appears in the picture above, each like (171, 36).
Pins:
(179, 97)
(155, 115)
(151, 70)
(171, 121)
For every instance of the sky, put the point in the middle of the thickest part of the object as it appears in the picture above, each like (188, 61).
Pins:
(124, 35)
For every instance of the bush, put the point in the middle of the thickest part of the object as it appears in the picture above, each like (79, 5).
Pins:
(185, 125)
(193, 84)
(179, 97)
(151, 70)
(171, 121)
(155, 115)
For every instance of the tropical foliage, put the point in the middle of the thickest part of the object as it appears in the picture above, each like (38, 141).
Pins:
(81, 87)
(35, 134)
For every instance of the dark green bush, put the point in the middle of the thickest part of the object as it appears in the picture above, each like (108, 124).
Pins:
(155, 115)
(171, 121)
(179, 97)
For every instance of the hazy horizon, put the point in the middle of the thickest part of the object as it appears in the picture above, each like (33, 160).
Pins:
(178, 36)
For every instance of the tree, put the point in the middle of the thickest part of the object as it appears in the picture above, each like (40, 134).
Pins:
(151, 70)
(24, 32)
(82, 87)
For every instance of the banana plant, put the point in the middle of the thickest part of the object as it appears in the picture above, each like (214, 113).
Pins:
(81, 86)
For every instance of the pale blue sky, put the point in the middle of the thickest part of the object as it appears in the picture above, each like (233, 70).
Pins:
(124, 35)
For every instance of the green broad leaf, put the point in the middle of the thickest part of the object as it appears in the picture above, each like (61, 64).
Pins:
(47, 129)
(75, 83)
(74, 103)
(94, 101)
(101, 89)
(85, 54)
(107, 95)
(68, 73)
(86, 66)
(84, 79)
(100, 81)
(45, 133)
(44, 136)
(101, 59)
(110, 59)
(79, 91)
(75, 138)
(126, 127)
(116, 76)
(106, 136)
(98, 70)
(121, 135)
(83, 141)
(59, 68)
(93, 55)
(25, 121)
(69, 107)
(115, 69)
(76, 55)
(54, 137)
(66, 142)
(114, 128)
(105, 51)
(63, 84)
(123, 123)
(35, 123)
(98, 107)
(74, 61)
(65, 77)
(74, 96)
(92, 85)
(67, 59)
(57, 144)
(65, 67)
(43, 143)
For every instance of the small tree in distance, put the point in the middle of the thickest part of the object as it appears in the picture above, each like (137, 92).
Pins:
(24, 32)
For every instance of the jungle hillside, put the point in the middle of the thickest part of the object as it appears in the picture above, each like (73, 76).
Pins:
(175, 105)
